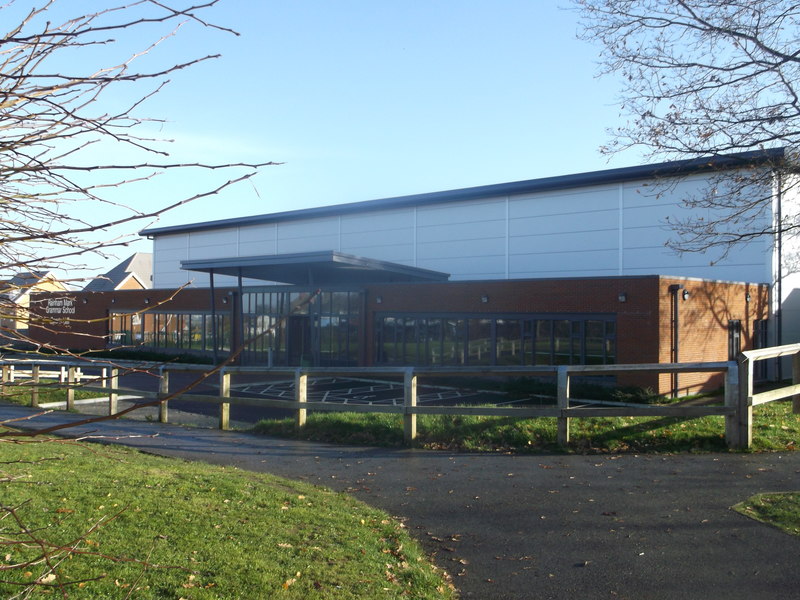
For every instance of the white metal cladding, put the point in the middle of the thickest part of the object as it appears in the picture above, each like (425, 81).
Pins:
(607, 229)
(790, 284)
(385, 235)
(168, 252)
(258, 240)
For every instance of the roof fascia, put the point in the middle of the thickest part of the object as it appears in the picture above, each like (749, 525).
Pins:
(608, 176)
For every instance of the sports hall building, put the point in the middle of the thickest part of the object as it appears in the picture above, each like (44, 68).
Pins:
(562, 270)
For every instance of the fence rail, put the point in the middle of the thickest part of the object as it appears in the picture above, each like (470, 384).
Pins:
(737, 409)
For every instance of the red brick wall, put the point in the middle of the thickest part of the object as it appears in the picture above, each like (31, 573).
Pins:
(88, 327)
(644, 320)
(703, 324)
(637, 317)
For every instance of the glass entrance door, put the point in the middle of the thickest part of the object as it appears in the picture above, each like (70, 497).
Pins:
(295, 328)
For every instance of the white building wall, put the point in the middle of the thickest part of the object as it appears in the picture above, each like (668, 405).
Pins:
(612, 229)
(569, 233)
(308, 235)
(466, 240)
(258, 240)
(790, 282)
(168, 252)
(647, 213)
(386, 235)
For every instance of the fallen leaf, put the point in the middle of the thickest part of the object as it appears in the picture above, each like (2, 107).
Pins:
(288, 582)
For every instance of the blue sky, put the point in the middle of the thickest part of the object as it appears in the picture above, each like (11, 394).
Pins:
(363, 99)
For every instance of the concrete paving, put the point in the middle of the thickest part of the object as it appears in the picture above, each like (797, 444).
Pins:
(547, 526)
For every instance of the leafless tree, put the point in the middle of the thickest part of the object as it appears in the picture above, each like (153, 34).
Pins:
(74, 83)
(709, 78)
(72, 131)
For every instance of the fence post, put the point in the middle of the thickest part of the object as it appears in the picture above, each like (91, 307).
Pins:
(732, 401)
(409, 406)
(35, 384)
(6, 372)
(744, 408)
(113, 397)
(163, 391)
(225, 392)
(71, 388)
(301, 396)
(796, 380)
(563, 406)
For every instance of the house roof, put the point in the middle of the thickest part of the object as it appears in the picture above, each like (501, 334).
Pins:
(139, 266)
(639, 172)
(24, 283)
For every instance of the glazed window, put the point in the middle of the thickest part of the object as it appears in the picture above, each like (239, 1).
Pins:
(427, 340)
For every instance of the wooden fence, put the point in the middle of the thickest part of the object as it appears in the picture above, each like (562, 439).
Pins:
(737, 408)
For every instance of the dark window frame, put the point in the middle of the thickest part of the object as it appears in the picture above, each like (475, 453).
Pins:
(574, 350)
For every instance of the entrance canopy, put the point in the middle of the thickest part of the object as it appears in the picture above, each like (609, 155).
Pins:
(314, 268)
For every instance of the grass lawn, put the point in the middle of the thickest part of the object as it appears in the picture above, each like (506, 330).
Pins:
(775, 428)
(49, 391)
(781, 510)
(123, 524)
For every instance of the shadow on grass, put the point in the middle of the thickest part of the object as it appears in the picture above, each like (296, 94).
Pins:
(775, 428)
(665, 434)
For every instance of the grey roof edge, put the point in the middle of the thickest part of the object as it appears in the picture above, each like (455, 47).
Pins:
(617, 175)
(331, 256)
(621, 278)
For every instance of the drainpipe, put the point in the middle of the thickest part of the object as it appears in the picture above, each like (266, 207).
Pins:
(674, 349)
(213, 316)
(779, 279)
(238, 308)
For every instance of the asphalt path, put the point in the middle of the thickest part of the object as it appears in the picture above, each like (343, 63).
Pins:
(550, 526)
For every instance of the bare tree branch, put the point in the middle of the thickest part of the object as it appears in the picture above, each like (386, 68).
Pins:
(72, 89)
(708, 78)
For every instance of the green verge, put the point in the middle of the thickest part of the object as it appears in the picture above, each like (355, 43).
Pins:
(775, 428)
(159, 528)
(49, 391)
(781, 510)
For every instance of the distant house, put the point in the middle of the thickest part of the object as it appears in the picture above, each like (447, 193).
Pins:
(15, 299)
(134, 273)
